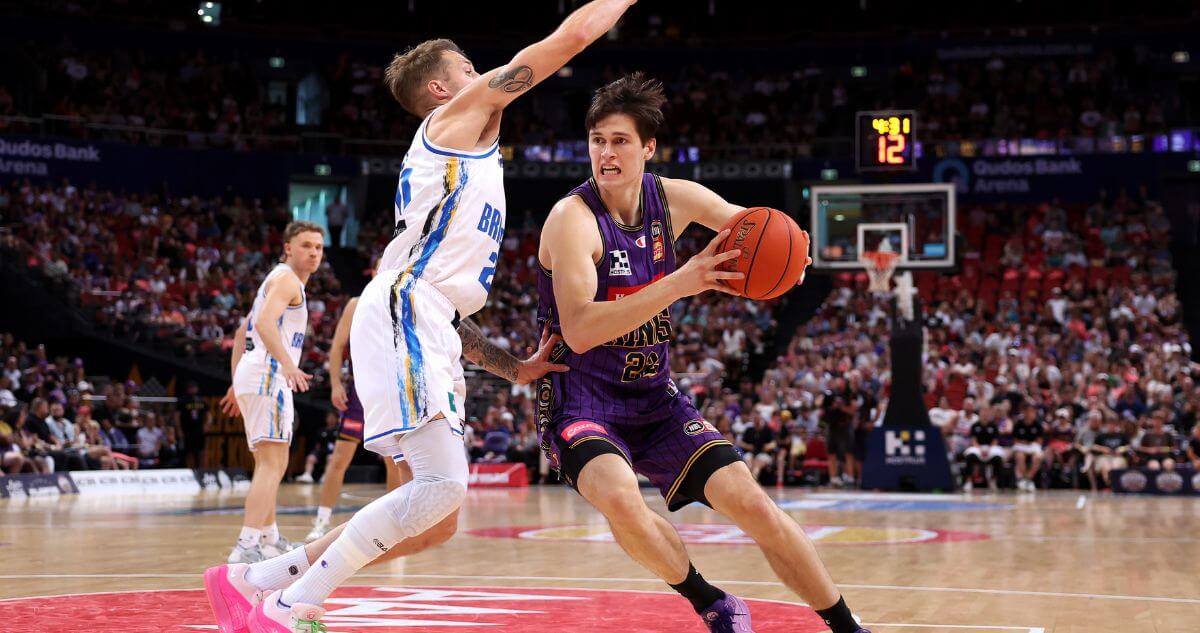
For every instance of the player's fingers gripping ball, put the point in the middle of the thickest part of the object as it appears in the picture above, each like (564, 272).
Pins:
(774, 252)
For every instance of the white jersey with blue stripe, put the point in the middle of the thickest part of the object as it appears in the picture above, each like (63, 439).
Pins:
(449, 220)
(257, 372)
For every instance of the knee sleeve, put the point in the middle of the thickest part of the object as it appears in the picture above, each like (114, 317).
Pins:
(438, 487)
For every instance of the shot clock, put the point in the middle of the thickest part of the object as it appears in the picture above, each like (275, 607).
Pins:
(886, 140)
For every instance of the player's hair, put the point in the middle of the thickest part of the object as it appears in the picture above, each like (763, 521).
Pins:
(633, 95)
(296, 228)
(409, 71)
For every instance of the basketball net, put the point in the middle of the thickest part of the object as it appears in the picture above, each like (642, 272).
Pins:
(880, 265)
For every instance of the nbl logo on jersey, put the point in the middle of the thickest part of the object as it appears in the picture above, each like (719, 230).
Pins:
(619, 266)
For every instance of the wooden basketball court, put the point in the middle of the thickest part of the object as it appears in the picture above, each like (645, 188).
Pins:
(1045, 563)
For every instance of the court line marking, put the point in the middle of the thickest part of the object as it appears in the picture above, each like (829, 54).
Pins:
(760, 583)
(970, 627)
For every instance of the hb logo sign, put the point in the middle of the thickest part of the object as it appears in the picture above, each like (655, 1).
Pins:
(906, 458)
(904, 446)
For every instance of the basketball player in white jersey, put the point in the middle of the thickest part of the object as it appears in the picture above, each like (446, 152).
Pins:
(266, 357)
(410, 327)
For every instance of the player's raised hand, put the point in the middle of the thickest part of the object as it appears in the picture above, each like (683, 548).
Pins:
(296, 379)
(229, 403)
(704, 270)
(539, 364)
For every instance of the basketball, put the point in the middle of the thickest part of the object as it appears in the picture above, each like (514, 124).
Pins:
(774, 252)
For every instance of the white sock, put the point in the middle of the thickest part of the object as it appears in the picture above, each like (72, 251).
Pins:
(278, 572)
(270, 534)
(323, 513)
(346, 555)
(249, 537)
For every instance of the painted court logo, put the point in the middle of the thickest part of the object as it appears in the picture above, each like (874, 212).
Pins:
(404, 610)
(718, 534)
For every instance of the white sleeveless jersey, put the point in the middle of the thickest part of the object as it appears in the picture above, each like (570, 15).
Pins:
(449, 220)
(257, 371)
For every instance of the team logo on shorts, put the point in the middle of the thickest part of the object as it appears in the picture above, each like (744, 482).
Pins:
(656, 234)
(698, 426)
(576, 428)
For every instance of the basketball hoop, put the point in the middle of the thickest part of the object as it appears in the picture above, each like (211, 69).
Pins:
(880, 266)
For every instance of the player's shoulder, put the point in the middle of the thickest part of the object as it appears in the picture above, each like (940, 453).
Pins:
(570, 208)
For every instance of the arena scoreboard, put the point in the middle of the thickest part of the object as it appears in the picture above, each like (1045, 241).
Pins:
(886, 140)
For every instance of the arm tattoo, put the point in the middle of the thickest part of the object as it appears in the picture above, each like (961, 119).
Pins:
(512, 79)
(484, 353)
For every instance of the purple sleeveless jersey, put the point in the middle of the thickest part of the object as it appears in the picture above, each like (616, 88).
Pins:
(627, 380)
(621, 392)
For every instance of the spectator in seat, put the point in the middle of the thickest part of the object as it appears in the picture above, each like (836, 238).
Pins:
(759, 443)
(984, 455)
(192, 416)
(795, 446)
(150, 440)
(12, 460)
(1153, 449)
(40, 442)
(170, 455)
(1110, 449)
(1193, 449)
(1060, 447)
(497, 439)
(1028, 439)
(96, 440)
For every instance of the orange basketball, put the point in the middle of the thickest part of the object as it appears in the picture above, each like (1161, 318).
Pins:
(774, 252)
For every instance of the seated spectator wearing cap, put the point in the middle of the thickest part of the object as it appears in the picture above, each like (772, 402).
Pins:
(1153, 448)
(759, 443)
(1060, 445)
(1110, 448)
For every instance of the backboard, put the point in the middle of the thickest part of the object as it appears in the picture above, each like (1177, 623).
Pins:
(916, 221)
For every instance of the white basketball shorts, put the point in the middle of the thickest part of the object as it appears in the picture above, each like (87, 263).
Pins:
(406, 354)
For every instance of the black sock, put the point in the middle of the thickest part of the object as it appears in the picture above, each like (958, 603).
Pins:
(838, 617)
(697, 590)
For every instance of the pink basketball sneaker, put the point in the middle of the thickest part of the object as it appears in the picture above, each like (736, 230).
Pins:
(272, 617)
(230, 596)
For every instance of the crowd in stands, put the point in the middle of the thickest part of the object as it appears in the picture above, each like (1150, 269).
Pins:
(177, 272)
(222, 99)
(1063, 317)
(53, 418)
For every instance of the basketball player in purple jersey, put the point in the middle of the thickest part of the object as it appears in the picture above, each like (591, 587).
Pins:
(608, 278)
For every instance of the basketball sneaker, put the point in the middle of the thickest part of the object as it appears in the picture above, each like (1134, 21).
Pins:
(727, 615)
(231, 597)
(320, 527)
(271, 617)
(304, 478)
(245, 555)
(271, 550)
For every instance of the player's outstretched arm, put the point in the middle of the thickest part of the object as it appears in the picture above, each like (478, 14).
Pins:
(463, 119)
(479, 350)
(570, 239)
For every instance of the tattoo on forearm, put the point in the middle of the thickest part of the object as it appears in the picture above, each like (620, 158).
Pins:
(484, 353)
(512, 79)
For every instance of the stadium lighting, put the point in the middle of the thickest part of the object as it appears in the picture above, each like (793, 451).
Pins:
(1181, 57)
(1194, 166)
(858, 72)
(276, 62)
(829, 174)
(210, 13)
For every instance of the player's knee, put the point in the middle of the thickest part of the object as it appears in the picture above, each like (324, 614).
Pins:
(619, 505)
(430, 502)
(754, 507)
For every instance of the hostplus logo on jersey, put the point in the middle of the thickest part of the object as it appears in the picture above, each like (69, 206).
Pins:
(620, 264)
